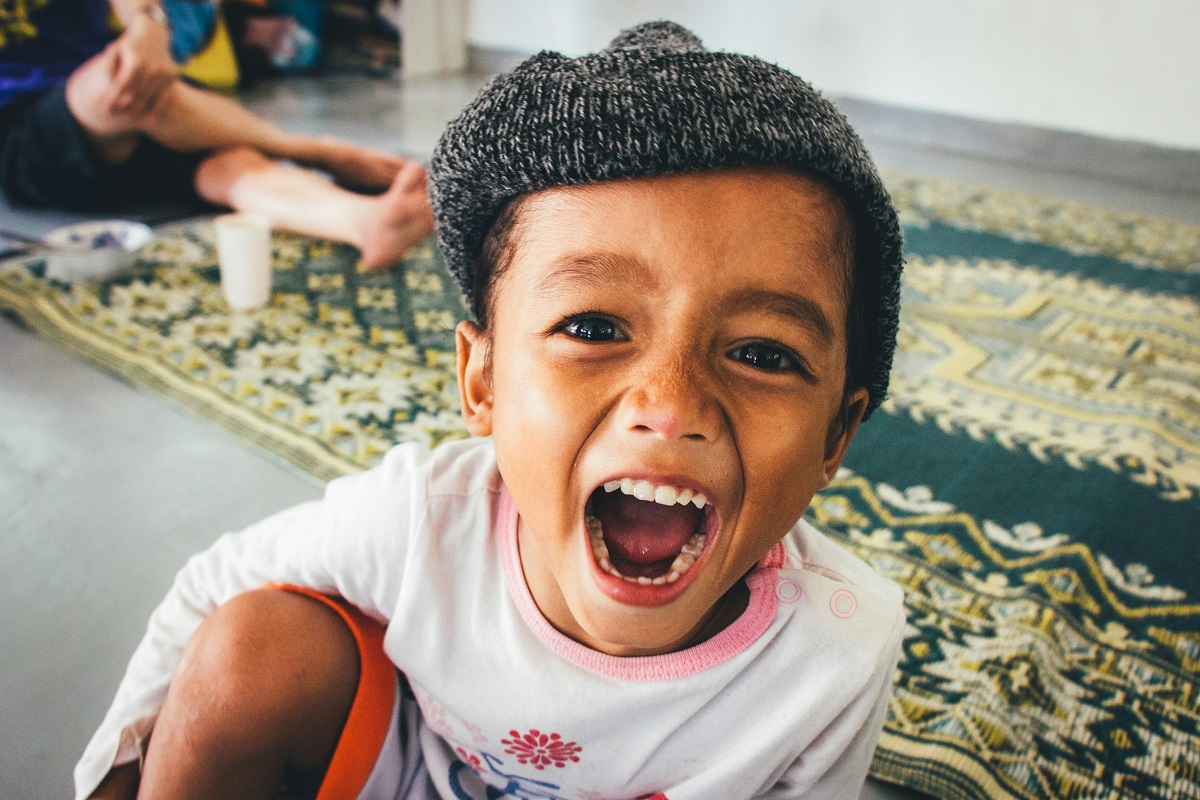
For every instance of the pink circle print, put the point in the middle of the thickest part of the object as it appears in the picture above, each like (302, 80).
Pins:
(541, 749)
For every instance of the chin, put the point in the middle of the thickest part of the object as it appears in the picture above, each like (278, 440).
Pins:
(622, 629)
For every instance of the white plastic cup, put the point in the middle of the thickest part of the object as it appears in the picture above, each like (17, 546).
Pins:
(244, 254)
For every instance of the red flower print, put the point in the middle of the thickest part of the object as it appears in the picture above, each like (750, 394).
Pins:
(471, 761)
(541, 749)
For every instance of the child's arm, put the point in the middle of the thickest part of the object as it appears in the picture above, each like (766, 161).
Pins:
(352, 543)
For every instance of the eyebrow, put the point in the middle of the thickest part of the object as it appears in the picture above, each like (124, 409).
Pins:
(606, 269)
(591, 271)
(797, 308)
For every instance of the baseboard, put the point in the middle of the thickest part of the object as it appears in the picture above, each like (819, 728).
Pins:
(1134, 163)
(491, 61)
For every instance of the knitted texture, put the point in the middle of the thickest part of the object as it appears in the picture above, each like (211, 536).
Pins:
(655, 102)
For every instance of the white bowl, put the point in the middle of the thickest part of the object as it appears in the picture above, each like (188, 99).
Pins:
(94, 250)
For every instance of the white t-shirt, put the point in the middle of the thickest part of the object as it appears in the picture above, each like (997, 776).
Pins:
(787, 702)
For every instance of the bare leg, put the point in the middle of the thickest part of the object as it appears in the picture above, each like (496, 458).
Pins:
(383, 227)
(194, 119)
(115, 136)
(250, 709)
(188, 119)
(243, 175)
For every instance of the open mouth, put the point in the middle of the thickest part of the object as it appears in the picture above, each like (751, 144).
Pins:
(646, 533)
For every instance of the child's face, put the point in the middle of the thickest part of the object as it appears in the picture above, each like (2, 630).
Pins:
(688, 332)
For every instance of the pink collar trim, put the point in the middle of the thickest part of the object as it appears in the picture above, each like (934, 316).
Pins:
(753, 623)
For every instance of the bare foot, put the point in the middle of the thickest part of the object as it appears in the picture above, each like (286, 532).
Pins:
(359, 167)
(396, 220)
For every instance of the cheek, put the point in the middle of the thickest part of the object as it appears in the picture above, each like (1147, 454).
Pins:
(540, 423)
(535, 395)
(783, 465)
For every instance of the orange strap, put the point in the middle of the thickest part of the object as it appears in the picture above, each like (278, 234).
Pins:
(371, 713)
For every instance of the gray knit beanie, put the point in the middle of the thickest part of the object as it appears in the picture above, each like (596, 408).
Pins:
(656, 102)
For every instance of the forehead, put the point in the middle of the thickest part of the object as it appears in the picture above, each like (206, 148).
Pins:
(754, 227)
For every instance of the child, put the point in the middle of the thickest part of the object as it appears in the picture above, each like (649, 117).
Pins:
(685, 273)
(88, 119)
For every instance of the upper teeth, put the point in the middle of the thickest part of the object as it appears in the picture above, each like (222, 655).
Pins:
(665, 495)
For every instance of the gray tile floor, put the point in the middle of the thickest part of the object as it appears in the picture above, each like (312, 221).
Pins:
(105, 490)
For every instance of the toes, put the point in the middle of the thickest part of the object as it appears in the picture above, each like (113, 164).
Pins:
(410, 177)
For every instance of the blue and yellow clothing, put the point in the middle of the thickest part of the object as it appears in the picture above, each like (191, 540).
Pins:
(43, 41)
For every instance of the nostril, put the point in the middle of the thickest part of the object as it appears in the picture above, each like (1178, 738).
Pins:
(669, 419)
(692, 437)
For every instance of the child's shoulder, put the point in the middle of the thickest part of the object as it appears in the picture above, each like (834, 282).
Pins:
(840, 582)
(413, 473)
(463, 467)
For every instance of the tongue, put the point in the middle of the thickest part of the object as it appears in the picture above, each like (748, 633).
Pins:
(644, 533)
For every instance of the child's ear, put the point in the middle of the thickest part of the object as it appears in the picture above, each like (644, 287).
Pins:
(840, 436)
(474, 382)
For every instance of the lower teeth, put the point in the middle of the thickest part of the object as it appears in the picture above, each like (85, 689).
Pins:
(683, 562)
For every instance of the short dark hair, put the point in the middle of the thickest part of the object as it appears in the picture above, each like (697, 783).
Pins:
(493, 261)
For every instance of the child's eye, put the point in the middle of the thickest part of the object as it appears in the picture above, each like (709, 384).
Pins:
(592, 329)
(764, 357)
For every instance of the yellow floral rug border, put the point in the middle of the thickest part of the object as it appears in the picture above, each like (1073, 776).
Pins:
(1077, 227)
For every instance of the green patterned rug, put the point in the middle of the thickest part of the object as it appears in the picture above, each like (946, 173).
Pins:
(1033, 482)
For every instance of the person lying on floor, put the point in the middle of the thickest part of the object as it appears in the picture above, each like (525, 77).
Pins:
(86, 119)
(684, 272)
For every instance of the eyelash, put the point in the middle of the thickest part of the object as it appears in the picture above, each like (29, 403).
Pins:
(790, 362)
(589, 316)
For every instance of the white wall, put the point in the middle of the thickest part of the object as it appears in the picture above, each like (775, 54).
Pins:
(1125, 69)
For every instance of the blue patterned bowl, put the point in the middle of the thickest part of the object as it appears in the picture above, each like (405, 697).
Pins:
(94, 250)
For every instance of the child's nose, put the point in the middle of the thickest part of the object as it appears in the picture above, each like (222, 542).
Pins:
(672, 403)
